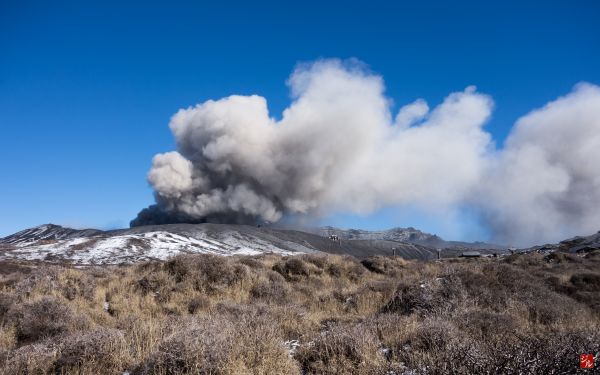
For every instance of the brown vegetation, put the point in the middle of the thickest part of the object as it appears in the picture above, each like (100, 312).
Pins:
(307, 314)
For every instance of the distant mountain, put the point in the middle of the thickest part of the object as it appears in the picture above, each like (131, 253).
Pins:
(408, 235)
(54, 243)
(46, 232)
(59, 244)
(579, 244)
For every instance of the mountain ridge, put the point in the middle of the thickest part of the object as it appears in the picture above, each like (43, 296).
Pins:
(47, 232)
(51, 242)
(55, 243)
(408, 234)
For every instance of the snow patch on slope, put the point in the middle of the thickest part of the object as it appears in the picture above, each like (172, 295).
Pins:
(129, 248)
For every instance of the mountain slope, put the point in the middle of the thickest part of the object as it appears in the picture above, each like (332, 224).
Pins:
(55, 243)
(46, 232)
(59, 244)
(579, 244)
(408, 235)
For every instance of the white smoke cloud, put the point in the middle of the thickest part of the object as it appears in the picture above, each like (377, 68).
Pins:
(545, 184)
(179, 170)
(411, 113)
(338, 148)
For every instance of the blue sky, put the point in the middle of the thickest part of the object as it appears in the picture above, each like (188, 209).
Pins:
(87, 90)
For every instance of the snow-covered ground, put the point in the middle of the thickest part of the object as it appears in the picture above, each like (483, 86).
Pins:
(129, 248)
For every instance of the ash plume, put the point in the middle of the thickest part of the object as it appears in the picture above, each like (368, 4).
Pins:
(339, 148)
(544, 185)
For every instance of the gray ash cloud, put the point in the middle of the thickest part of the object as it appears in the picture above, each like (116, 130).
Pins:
(339, 148)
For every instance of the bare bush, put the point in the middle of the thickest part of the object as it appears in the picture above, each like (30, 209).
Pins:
(198, 303)
(35, 359)
(208, 273)
(345, 267)
(45, 317)
(7, 300)
(483, 325)
(586, 281)
(214, 345)
(271, 292)
(342, 350)
(319, 261)
(100, 351)
(384, 265)
(201, 347)
(251, 262)
(313, 314)
(560, 257)
(424, 297)
(292, 269)
(75, 284)
(8, 339)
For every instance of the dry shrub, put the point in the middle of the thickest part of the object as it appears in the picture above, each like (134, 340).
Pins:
(436, 346)
(8, 337)
(334, 270)
(7, 301)
(42, 281)
(73, 284)
(582, 287)
(343, 349)
(274, 277)
(158, 283)
(100, 351)
(549, 308)
(206, 273)
(259, 346)
(488, 287)
(432, 336)
(543, 353)
(144, 335)
(270, 292)
(345, 267)
(218, 345)
(525, 260)
(384, 265)
(392, 330)
(45, 317)
(68, 283)
(426, 297)
(511, 279)
(319, 261)
(35, 359)
(292, 321)
(198, 303)
(521, 315)
(292, 269)
(560, 257)
(251, 262)
(482, 325)
(586, 281)
(371, 298)
(196, 348)
(550, 353)
(593, 255)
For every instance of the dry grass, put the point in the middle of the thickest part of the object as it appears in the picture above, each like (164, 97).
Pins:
(302, 315)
